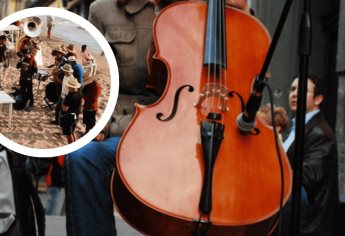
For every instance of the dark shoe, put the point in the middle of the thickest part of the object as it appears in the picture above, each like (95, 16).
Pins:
(54, 122)
(28, 108)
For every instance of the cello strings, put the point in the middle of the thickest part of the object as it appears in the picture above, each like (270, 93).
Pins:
(211, 66)
(216, 55)
(208, 48)
(225, 82)
(216, 76)
(214, 71)
(221, 49)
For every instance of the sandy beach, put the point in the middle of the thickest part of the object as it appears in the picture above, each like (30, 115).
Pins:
(33, 129)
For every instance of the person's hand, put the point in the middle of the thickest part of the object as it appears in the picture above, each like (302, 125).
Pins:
(240, 4)
(100, 137)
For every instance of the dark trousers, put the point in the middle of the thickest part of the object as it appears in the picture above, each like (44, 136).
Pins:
(58, 109)
(26, 89)
(286, 215)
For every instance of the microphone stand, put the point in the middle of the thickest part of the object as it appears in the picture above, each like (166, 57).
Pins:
(246, 120)
(304, 54)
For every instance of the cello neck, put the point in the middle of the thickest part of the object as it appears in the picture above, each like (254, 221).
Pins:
(215, 43)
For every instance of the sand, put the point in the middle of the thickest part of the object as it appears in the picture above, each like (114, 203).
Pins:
(33, 129)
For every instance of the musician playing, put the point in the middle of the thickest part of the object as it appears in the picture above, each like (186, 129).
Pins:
(127, 25)
(28, 67)
(27, 43)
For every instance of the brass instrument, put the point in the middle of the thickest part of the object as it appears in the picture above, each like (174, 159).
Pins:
(33, 26)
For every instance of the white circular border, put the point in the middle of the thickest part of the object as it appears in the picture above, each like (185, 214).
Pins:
(114, 88)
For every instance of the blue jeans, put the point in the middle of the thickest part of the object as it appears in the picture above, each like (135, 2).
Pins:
(89, 207)
(56, 200)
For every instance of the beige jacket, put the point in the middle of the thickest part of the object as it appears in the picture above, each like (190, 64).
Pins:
(129, 32)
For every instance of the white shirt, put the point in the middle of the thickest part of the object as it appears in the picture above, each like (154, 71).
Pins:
(64, 89)
(9, 45)
(291, 137)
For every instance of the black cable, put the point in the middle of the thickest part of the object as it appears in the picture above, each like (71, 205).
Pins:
(276, 141)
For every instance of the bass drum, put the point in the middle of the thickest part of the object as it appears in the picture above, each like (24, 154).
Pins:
(51, 93)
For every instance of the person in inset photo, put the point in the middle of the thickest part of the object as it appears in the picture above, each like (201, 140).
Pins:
(87, 60)
(91, 92)
(28, 68)
(78, 71)
(70, 109)
(50, 24)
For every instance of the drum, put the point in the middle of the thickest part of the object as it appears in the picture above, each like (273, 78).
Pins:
(51, 93)
(42, 75)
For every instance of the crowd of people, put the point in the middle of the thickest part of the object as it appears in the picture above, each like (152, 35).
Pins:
(75, 83)
(87, 171)
(69, 76)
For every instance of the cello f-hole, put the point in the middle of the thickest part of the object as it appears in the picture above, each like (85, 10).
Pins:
(175, 105)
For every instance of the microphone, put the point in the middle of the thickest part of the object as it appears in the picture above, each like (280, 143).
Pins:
(246, 120)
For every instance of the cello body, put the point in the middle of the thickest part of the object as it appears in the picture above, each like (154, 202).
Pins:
(160, 172)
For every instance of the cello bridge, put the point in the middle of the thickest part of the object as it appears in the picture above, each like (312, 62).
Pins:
(217, 94)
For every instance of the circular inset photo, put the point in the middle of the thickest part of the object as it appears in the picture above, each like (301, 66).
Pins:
(58, 82)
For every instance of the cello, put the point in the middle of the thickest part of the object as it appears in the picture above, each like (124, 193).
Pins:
(183, 166)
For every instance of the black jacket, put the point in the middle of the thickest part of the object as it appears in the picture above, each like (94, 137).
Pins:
(28, 68)
(319, 178)
(29, 218)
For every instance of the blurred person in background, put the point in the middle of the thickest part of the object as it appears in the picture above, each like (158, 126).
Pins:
(50, 24)
(55, 187)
